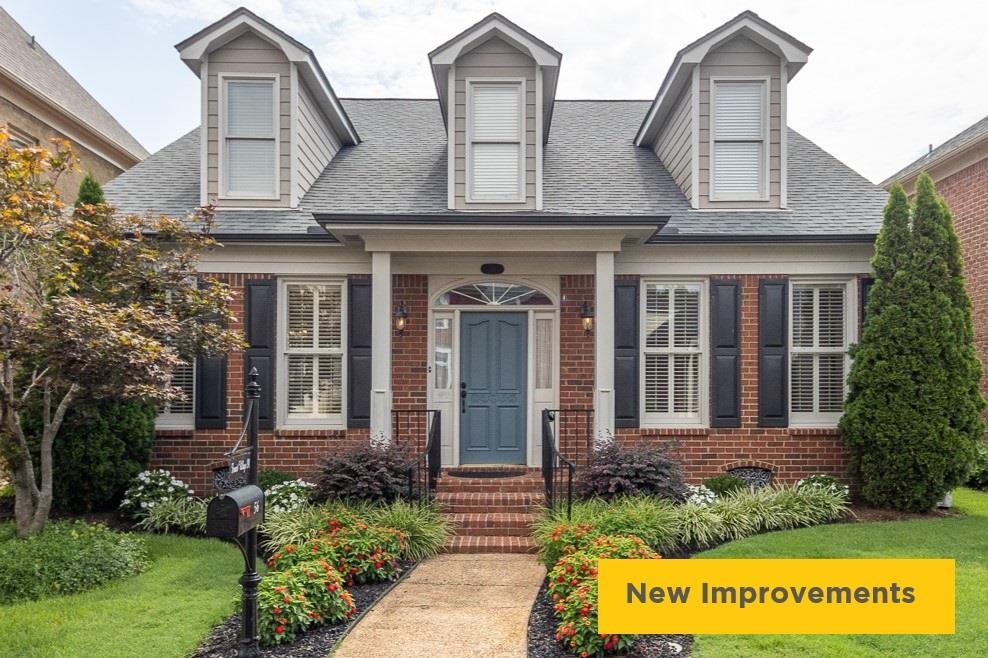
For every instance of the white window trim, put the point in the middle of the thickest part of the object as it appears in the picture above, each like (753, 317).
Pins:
(764, 179)
(471, 83)
(17, 136)
(166, 420)
(222, 80)
(313, 421)
(829, 419)
(661, 420)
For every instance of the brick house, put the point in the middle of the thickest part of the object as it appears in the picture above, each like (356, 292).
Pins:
(40, 100)
(959, 168)
(687, 267)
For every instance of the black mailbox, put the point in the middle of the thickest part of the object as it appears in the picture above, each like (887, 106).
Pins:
(232, 514)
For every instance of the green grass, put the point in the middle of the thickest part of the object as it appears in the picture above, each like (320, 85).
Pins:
(163, 612)
(963, 538)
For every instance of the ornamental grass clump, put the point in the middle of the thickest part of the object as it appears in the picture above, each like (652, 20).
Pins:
(424, 527)
(182, 515)
(300, 597)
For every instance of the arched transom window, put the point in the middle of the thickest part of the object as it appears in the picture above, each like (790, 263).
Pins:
(494, 293)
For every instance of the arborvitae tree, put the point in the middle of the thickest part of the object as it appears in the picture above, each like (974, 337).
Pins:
(912, 419)
(90, 192)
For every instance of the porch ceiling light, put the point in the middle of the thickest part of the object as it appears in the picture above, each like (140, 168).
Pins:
(586, 316)
(401, 317)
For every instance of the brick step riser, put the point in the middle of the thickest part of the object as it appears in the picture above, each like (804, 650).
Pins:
(473, 508)
(491, 544)
(498, 531)
(486, 488)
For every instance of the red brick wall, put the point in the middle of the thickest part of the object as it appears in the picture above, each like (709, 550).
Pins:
(789, 453)
(409, 352)
(966, 192)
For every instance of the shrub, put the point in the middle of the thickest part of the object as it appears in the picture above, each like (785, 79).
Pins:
(912, 420)
(301, 596)
(269, 477)
(825, 482)
(979, 475)
(641, 469)
(578, 624)
(700, 495)
(66, 557)
(362, 553)
(724, 484)
(150, 488)
(100, 447)
(573, 569)
(699, 525)
(424, 527)
(369, 473)
(184, 515)
(287, 496)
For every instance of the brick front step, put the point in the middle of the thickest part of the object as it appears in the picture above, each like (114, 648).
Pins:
(480, 502)
(518, 483)
(490, 544)
(493, 524)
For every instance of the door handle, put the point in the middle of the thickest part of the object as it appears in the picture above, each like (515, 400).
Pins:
(463, 397)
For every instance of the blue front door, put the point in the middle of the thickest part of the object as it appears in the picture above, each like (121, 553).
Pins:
(493, 387)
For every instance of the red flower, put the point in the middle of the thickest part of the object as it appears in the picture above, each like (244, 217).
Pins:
(276, 610)
(279, 629)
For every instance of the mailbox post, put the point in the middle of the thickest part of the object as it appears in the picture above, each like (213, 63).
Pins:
(236, 514)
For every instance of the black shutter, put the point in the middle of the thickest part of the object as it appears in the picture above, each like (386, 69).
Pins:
(260, 353)
(725, 345)
(359, 357)
(210, 402)
(626, 336)
(866, 285)
(773, 353)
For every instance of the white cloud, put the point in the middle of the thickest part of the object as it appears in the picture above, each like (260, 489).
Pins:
(886, 77)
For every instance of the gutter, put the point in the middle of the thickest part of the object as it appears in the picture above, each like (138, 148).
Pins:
(506, 219)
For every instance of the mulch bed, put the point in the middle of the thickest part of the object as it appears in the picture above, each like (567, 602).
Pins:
(862, 514)
(542, 641)
(224, 640)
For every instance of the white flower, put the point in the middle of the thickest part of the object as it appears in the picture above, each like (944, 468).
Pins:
(143, 505)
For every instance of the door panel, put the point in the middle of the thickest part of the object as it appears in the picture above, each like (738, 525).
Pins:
(493, 387)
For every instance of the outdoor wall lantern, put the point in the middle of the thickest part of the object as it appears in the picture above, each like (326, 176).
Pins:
(586, 315)
(401, 317)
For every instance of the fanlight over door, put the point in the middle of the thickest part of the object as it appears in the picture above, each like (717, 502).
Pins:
(494, 293)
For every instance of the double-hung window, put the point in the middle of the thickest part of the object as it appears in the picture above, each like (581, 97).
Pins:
(179, 413)
(250, 138)
(821, 325)
(312, 347)
(495, 141)
(739, 140)
(673, 353)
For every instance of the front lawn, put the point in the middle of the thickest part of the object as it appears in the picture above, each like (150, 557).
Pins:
(165, 611)
(963, 538)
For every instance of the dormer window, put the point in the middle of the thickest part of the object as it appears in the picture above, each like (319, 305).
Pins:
(495, 141)
(250, 138)
(739, 149)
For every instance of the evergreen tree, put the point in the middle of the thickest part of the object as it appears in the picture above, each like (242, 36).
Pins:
(912, 420)
(90, 192)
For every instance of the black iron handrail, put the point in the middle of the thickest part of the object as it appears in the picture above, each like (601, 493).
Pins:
(555, 466)
(419, 432)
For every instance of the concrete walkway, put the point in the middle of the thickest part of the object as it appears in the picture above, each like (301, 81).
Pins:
(452, 605)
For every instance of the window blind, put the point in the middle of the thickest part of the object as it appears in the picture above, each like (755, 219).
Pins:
(250, 138)
(819, 345)
(738, 138)
(672, 350)
(314, 359)
(496, 131)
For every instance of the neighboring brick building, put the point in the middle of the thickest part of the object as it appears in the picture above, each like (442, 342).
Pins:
(719, 252)
(959, 168)
(40, 100)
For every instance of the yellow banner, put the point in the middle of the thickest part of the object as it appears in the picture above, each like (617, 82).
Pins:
(776, 596)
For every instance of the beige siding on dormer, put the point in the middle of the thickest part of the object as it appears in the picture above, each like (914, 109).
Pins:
(742, 57)
(248, 54)
(493, 59)
(317, 144)
(674, 145)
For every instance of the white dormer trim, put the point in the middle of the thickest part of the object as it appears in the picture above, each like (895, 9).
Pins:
(793, 52)
(195, 51)
(547, 60)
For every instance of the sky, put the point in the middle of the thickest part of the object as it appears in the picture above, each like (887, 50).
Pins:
(886, 78)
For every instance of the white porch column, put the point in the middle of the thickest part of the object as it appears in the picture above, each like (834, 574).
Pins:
(380, 424)
(604, 345)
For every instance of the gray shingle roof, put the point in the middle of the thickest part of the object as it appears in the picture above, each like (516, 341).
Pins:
(35, 68)
(591, 168)
(953, 144)
(168, 183)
